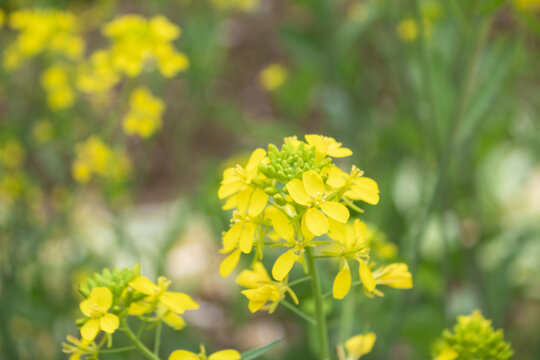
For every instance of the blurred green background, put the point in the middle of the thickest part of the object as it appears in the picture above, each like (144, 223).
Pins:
(439, 101)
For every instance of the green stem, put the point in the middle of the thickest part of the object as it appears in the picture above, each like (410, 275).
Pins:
(298, 312)
(118, 350)
(319, 311)
(157, 341)
(138, 344)
(298, 281)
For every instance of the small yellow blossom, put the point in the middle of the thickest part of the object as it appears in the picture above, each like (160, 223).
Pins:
(55, 81)
(42, 131)
(354, 186)
(228, 354)
(97, 76)
(140, 44)
(359, 345)
(311, 192)
(78, 348)
(327, 146)
(272, 77)
(261, 289)
(144, 116)
(51, 31)
(12, 154)
(528, 5)
(395, 275)
(96, 307)
(407, 30)
(169, 305)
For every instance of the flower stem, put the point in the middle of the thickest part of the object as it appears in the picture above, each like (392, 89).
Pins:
(138, 344)
(319, 311)
(157, 341)
(298, 312)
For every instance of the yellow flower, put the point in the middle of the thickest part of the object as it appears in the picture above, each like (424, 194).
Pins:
(327, 146)
(96, 307)
(12, 154)
(167, 304)
(359, 345)
(228, 354)
(97, 76)
(447, 353)
(407, 30)
(144, 117)
(42, 131)
(51, 31)
(139, 43)
(2, 16)
(354, 186)
(395, 275)
(238, 178)
(351, 243)
(311, 192)
(78, 348)
(261, 289)
(59, 92)
(528, 5)
(272, 77)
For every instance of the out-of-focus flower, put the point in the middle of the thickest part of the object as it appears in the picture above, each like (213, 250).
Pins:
(395, 275)
(236, 5)
(94, 157)
(144, 116)
(42, 131)
(50, 31)
(97, 76)
(78, 348)
(272, 77)
(96, 307)
(140, 44)
(357, 346)
(528, 5)
(407, 30)
(2, 17)
(55, 81)
(472, 338)
(228, 354)
(12, 154)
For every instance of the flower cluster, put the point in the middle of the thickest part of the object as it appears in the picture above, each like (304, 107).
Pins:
(297, 198)
(111, 297)
(93, 156)
(473, 337)
(144, 116)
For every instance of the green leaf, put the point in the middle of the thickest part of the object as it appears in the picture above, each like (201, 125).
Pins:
(255, 353)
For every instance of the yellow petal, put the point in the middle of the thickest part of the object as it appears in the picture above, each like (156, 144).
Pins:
(316, 222)
(229, 188)
(282, 224)
(87, 307)
(336, 230)
(109, 323)
(138, 308)
(253, 164)
(231, 237)
(364, 189)
(396, 275)
(178, 302)
(257, 203)
(174, 321)
(335, 210)
(102, 297)
(339, 152)
(342, 282)
(283, 265)
(144, 285)
(447, 354)
(308, 235)
(183, 355)
(313, 183)
(242, 199)
(225, 355)
(366, 276)
(90, 329)
(336, 177)
(246, 238)
(229, 263)
(253, 278)
(298, 192)
(360, 344)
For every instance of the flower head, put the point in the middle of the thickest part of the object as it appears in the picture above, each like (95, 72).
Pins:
(144, 117)
(272, 77)
(358, 346)
(228, 354)
(96, 307)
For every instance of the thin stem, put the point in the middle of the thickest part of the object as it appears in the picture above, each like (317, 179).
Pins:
(319, 311)
(298, 312)
(117, 350)
(138, 344)
(298, 281)
(157, 341)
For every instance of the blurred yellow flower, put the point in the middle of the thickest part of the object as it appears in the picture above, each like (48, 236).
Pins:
(407, 30)
(144, 116)
(96, 307)
(140, 44)
(98, 74)
(78, 348)
(395, 275)
(528, 5)
(42, 131)
(272, 77)
(359, 345)
(12, 154)
(94, 157)
(2, 17)
(236, 5)
(55, 81)
(51, 31)
(228, 354)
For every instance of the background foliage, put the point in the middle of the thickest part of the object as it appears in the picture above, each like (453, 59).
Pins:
(439, 101)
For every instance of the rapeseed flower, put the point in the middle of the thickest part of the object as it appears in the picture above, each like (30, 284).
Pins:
(228, 354)
(272, 77)
(528, 5)
(55, 81)
(262, 292)
(43, 31)
(169, 305)
(395, 275)
(78, 348)
(97, 75)
(140, 44)
(144, 116)
(96, 307)
(358, 346)
(407, 30)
